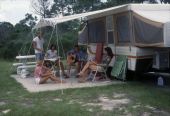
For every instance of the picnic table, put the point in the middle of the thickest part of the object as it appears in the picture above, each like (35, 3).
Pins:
(24, 65)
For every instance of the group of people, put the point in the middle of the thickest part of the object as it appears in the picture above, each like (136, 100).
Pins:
(76, 57)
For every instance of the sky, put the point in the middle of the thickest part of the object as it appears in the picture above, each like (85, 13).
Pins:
(14, 10)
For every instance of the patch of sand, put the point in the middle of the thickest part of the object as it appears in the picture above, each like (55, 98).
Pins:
(108, 104)
(57, 99)
(150, 107)
(6, 111)
(146, 114)
(118, 95)
(75, 101)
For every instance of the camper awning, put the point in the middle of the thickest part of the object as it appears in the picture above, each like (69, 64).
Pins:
(155, 12)
(53, 21)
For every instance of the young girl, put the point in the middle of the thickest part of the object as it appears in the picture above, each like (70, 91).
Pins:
(42, 74)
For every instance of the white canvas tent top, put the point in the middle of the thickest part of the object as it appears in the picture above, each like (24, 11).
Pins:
(155, 12)
(56, 20)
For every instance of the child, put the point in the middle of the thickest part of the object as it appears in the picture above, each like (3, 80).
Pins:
(42, 74)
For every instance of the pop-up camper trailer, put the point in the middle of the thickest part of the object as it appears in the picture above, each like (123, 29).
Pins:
(139, 31)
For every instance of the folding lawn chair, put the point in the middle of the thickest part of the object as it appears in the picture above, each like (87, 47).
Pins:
(120, 67)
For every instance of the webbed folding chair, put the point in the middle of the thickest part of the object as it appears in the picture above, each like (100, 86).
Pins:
(120, 67)
(101, 68)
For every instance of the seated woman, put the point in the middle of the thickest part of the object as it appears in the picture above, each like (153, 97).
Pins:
(42, 74)
(92, 65)
(52, 54)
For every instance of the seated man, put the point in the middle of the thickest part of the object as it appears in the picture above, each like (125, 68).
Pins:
(92, 64)
(42, 74)
(75, 57)
(52, 54)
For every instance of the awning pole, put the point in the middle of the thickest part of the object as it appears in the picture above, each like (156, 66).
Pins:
(60, 71)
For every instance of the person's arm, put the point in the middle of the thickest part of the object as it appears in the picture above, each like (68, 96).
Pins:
(94, 62)
(56, 55)
(47, 54)
(109, 59)
(47, 72)
(89, 50)
(35, 46)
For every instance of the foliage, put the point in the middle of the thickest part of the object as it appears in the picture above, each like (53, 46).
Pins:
(41, 7)
(165, 1)
(86, 5)
(6, 30)
(16, 38)
(29, 20)
(61, 7)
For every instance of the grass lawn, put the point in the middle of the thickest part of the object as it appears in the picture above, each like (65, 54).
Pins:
(132, 98)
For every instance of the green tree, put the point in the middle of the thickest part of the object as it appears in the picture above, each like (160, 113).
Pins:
(41, 7)
(86, 5)
(29, 20)
(165, 1)
(6, 29)
(61, 7)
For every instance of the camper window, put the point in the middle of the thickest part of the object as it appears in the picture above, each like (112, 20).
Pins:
(96, 31)
(110, 37)
(123, 28)
(146, 32)
(110, 29)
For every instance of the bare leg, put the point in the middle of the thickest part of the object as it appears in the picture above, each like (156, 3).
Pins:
(44, 79)
(85, 67)
(93, 67)
(84, 76)
(56, 79)
(88, 65)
